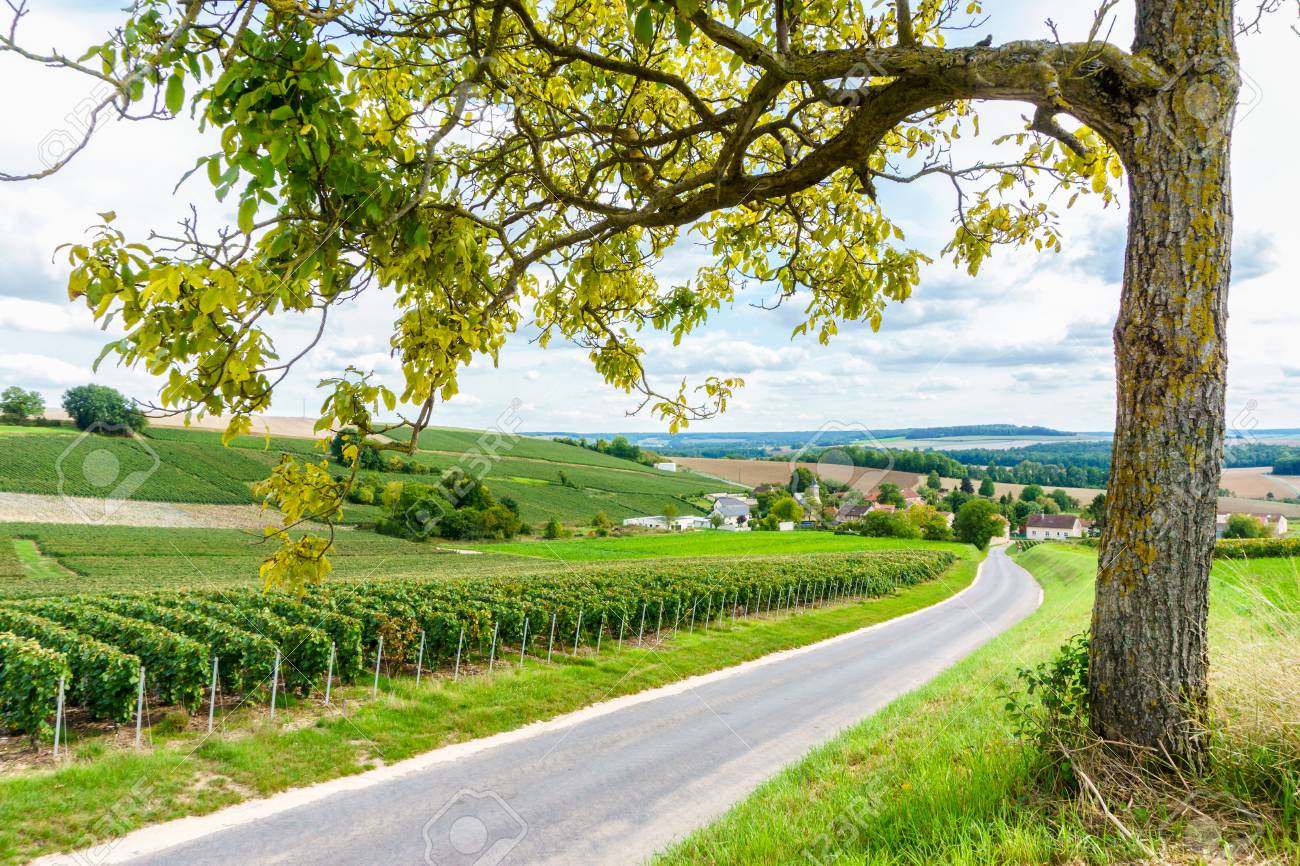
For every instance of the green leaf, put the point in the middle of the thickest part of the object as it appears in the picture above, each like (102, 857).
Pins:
(684, 30)
(247, 210)
(175, 94)
(645, 25)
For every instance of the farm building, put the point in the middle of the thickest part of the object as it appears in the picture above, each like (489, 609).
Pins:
(1043, 526)
(658, 521)
(667, 467)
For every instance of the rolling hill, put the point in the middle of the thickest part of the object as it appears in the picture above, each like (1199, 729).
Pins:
(185, 465)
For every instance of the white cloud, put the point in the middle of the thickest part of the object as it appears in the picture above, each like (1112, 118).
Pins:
(21, 314)
(40, 371)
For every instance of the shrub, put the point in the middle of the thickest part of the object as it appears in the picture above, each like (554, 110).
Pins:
(103, 408)
(1244, 526)
(355, 616)
(29, 683)
(1054, 713)
(1249, 548)
(305, 648)
(888, 524)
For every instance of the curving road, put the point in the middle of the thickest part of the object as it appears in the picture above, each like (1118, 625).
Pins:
(607, 785)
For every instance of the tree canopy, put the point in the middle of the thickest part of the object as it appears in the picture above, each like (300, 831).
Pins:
(499, 164)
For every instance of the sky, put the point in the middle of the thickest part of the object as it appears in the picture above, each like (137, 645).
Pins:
(1028, 341)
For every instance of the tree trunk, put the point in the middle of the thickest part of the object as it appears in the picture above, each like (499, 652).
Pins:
(1149, 655)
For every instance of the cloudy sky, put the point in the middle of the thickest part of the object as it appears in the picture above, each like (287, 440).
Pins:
(1027, 342)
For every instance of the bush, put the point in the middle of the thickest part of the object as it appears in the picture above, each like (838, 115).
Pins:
(1249, 548)
(246, 658)
(553, 529)
(305, 648)
(1245, 526)
(1054, 714)
(355, 616)
(888, 524)
(29, 683)
(103, 408)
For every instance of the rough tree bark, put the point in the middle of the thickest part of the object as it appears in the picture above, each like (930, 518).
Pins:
(1149, 655)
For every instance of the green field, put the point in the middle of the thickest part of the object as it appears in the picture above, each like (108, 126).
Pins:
(705, 543)
(119, 558)
(939, 777)
(163, 470)
(62, 558)
(458, 440)
(547, 479)
(23, 430)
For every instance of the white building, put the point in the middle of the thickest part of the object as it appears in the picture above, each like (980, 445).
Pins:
(733, 511)
(678, 524)
(667, 467)
(1040, 527)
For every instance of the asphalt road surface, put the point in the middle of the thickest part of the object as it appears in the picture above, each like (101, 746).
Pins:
(610, 786)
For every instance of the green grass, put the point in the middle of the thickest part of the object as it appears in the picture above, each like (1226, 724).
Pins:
(23, 430)
(187, 773)
(938, 776)
(702, 543)
(35, 565)
(124, 558)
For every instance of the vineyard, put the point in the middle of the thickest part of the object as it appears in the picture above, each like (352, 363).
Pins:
(98, 646)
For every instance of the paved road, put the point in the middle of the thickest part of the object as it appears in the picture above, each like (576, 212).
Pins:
(614, 787)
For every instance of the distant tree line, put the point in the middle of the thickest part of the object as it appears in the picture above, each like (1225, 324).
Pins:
(1287, 464)
(1055, 464)
(982, 430)
(619, 447)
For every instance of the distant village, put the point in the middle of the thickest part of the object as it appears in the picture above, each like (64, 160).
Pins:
(886, 509)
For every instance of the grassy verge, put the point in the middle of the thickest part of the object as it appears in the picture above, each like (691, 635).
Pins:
(107, 791)
(938, 776)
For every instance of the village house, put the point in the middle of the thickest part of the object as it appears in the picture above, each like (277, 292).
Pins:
(850, 511)
(732, 510)
(1040, 527)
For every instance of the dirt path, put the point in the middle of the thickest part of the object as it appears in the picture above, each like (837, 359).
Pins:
(39, 508)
